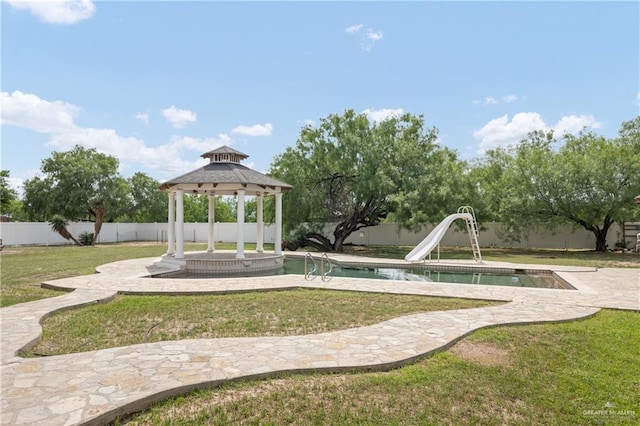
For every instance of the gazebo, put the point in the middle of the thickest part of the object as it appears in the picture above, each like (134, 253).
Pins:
(224, 175)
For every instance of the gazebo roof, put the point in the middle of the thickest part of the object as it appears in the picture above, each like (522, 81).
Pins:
(224, 175)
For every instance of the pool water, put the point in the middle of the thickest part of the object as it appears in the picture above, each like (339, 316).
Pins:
(296, 266)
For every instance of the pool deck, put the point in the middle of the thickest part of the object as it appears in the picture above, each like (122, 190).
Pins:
(96, 387)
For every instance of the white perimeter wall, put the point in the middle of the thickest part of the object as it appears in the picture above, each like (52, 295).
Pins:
(565, 237)
(27, 233)
(37, 233)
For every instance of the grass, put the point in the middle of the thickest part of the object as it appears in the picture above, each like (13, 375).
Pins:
(138, 319)
(580, 372)
(526, 256)
(23, 269)
(561, 374)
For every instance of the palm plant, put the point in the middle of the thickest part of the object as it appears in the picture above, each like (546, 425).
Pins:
(59, 225)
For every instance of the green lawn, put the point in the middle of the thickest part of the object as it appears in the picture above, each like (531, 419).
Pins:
(579, 372)
(138, 319)
(23, 269)
(546, 374)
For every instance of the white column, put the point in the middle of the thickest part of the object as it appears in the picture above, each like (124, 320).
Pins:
(240, 226)
(171, 225)
(212, 215)
(179, 224)
(259, 219)
(278, 240)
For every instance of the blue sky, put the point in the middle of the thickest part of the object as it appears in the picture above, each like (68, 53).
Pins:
(156, 84)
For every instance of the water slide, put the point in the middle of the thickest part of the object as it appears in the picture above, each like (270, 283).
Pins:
(432, 240)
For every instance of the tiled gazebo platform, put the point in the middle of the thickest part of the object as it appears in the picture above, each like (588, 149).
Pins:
(216, 264)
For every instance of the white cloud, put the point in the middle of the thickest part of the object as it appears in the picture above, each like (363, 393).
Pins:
(377, 115)
(17, 185)
(501, 132)
(27, 110)
(354, 28)
(57, 119)
(17, 182)
(179, 118)
(638, 99)
(255, 130)
(57, 11)
(574, 123)
(368, 37)
(165, 158)
(491, 100)
(374, 35)
(179, 143)
(142, 117)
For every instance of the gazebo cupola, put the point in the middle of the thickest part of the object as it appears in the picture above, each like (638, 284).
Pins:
(224, 175)
(225, 155)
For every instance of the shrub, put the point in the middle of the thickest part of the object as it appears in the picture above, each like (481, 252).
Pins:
(86, 238)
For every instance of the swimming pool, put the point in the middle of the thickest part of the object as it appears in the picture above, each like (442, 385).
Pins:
(510, 279)
(421, 272)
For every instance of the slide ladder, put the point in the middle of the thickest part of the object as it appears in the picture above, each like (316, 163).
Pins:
(432, 241)
(472, 230)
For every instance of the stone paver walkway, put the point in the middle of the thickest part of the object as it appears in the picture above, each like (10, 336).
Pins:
(96, 387)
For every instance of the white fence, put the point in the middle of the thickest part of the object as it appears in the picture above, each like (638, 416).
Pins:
(29, 233)
(38, 233)
(565, 237)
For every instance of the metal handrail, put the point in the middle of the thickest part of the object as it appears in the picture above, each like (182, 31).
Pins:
(308, 274)
(325, 274)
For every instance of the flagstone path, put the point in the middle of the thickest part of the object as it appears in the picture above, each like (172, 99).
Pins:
(97, 387)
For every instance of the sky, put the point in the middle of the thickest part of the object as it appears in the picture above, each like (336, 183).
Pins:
(156, 84)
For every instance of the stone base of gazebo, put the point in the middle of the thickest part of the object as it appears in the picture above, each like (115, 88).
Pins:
(221, 265)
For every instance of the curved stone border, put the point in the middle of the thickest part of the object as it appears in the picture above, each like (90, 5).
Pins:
(95, 387)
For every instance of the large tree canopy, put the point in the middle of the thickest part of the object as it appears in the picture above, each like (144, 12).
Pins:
(81, 184)
(146, 202)
(587, 180)
(352, 173)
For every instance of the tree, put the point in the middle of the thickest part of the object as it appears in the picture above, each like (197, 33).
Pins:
(353, 173)
(196, 209)
(250, 209)
(147, 203)
(16, 212)
(59, 225)
(7, 194)
(586, 180)
(81, 184)
(97, 208)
